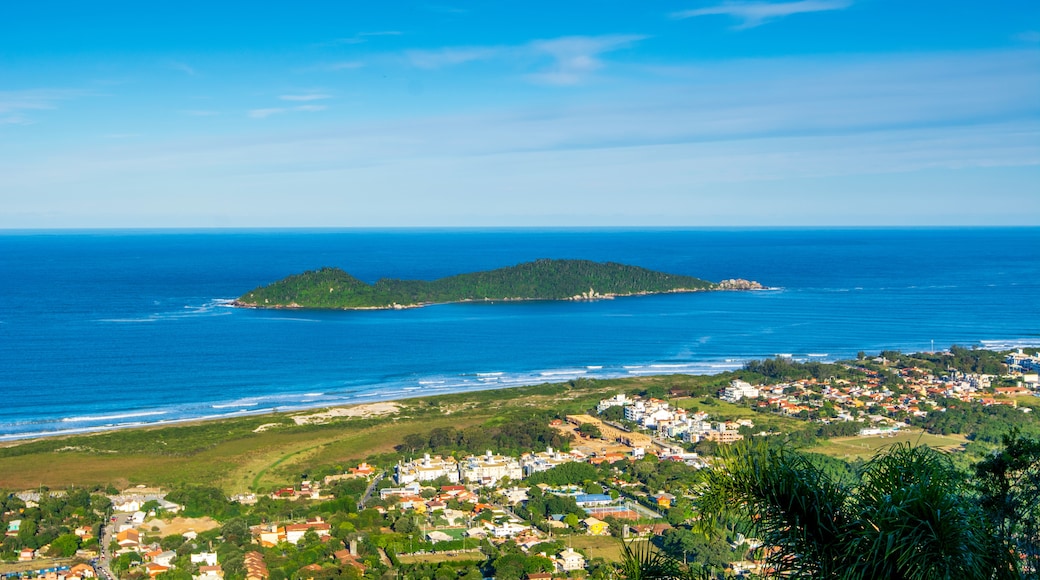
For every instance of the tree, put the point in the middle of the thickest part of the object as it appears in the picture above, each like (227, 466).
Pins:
(1009, 484)
(909, 516)
(65, 545)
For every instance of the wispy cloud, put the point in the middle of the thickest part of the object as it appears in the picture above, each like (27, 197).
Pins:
(444, 57)
(306, 97)
(360, 37)
(576, 57)
(571, 59)
(265, 113)
(752, 14)
(183, 67)
(344, 65)
(14, 105)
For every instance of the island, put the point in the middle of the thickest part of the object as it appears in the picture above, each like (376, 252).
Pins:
(546, 279)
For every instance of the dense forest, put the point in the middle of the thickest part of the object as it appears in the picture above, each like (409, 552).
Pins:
(538, 280)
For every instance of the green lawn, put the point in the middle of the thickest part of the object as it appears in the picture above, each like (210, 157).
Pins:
(866, 447)
(604, 547)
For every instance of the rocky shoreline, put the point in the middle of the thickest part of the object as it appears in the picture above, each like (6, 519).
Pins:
(734, 284)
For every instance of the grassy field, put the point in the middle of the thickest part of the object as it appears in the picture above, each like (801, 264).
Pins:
(866, 447)
(232, 455)
(604, 547)
(441, 557)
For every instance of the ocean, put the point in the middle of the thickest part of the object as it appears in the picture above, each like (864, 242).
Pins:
(107, 329)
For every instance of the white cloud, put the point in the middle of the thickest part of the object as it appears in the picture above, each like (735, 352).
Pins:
(15, 104)
(571, 59)
(576, 57)
(817, 133)
(306, 97)
(345, 65)
(265, 113)
(444, 57)
(183, 67)
(754, 14)
(361, 37)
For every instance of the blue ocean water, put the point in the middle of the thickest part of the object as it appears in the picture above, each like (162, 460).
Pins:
(107, 329)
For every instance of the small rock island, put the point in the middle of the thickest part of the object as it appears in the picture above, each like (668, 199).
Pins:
(334, 289)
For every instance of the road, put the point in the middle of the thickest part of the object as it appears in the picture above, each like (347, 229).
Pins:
(108, 533)
(371, 488)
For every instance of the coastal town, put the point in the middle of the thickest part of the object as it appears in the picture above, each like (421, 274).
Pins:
(626, 473)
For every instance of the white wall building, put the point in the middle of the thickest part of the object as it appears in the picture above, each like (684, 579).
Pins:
(488, 469)
(427, 469)
(738, 390)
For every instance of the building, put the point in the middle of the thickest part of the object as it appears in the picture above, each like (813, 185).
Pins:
(569, 561)
(620, 400)
(595, 527)
(738, 390)
(295, 532)
(489, 469)
(256, 568)
(427, 469)
(543, 461)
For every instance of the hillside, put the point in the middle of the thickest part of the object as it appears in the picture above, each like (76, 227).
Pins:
(332, 288)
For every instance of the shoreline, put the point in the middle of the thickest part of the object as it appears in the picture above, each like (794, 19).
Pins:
(420, 388)
(593, 297)
(560, 376)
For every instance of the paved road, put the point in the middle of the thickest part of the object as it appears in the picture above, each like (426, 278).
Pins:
(371, 488)
(108, 533)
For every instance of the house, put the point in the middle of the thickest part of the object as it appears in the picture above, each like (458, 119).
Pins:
(26, 555)
(664, 500)
(256, 568)
(345, 558)
(569, 561)
(204, 559)
(129, 539)
(295, 532)
(596, 527)
(82, 570)
(269, 535)
(13, 527)
(154, 569)
(214, 572)
(165, 558)
(362, 470)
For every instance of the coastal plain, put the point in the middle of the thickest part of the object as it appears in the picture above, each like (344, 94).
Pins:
(263, 451)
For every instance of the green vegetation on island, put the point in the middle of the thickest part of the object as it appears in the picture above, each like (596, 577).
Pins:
(332, 288)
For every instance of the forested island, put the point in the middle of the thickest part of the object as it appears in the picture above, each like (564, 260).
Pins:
(332, 288)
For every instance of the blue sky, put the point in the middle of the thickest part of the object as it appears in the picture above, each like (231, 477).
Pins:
(609, 113)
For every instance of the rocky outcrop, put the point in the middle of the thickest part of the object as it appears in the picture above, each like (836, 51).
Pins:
(740, 284)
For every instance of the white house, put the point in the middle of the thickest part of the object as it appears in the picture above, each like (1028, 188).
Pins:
(569, 561)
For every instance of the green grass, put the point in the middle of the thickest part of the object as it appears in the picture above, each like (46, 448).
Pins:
(866, 447)
(604, 547)
(228, 453)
